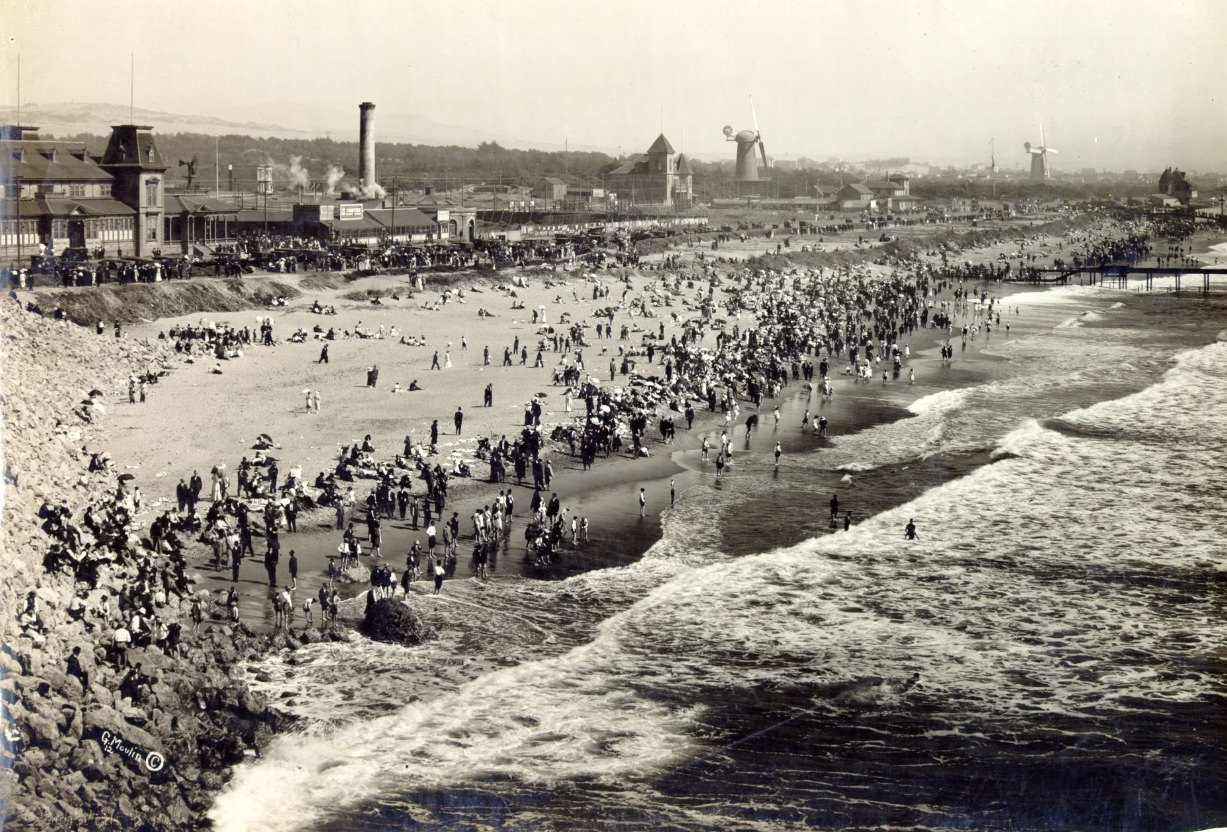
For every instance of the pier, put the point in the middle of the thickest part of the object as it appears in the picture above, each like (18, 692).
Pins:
(1116, 276)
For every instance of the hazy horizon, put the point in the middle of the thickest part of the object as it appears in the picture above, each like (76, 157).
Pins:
(1115, 88)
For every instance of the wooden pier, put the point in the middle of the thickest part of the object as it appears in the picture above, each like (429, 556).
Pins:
(1117, 276)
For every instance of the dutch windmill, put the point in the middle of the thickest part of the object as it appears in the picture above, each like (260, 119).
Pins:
(748, 141)
(1039, 157)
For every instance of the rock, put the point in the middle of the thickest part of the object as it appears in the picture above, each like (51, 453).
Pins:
(391, 621)
(107, 719)
(43, 731)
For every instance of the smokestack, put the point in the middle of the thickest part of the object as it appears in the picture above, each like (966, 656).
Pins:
(366, 145)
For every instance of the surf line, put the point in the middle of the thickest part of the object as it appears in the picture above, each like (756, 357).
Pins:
(549, 638)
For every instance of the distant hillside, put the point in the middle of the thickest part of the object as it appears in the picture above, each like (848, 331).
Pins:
(65, 119)
(274, 119)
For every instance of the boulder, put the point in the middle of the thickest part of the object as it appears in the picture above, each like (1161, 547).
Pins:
(43, 731)
(391, 621)
(107, 719)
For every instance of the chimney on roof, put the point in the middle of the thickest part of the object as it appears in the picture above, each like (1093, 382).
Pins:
(366, 145)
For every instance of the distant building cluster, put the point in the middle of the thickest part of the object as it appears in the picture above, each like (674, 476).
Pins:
(891, 194)
(58, 199)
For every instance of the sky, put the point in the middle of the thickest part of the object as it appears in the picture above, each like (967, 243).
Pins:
(1117, 85)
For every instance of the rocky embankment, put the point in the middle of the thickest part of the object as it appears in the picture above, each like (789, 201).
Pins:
(96, 743)
(132, 302)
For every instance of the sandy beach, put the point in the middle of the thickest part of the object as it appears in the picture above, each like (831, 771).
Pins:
(201, 419)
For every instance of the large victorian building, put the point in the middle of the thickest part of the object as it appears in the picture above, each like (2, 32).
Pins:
(57, 197)
(661, 176)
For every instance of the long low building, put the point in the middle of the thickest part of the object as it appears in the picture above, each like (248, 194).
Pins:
(57, 196)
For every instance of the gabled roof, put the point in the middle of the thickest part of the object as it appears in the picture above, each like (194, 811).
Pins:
(858, 187)
(632, 166)
(186, 204)
(880, 185)
(61, 207)
(683, 164)
(39, 161)
(661, 145)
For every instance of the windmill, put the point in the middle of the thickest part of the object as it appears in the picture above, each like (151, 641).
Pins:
(191, 170)
(747, 176)
(1039, 157)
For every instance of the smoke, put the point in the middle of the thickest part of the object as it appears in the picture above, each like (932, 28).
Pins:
(293, 175)
(373, 191)
(332, 177)
(297, 174)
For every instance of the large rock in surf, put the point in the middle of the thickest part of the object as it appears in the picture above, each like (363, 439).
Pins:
(391, 621)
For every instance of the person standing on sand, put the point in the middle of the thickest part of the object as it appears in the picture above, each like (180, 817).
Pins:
(458, 419)
(434, 432)
(315, 400)
(323, 355)
(434, 364)
(438, 576)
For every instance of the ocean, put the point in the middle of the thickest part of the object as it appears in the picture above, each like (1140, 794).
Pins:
(1049, 654)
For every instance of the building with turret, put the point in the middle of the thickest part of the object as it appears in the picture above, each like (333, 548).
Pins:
(1172, 182)
(662, 176)
(133, 160)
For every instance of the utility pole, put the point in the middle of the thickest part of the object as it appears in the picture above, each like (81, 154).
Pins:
(395, 199)
(17, 211)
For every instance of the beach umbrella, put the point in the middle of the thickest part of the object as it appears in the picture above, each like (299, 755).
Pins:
(126, 477)
(95, 392)
(265, 438)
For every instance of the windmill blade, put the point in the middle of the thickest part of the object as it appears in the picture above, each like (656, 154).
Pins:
(1041, 134)
(753, 114)
(762, 148)
(1050, 150)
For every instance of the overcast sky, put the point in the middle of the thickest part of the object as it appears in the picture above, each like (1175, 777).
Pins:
(1116, 84)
